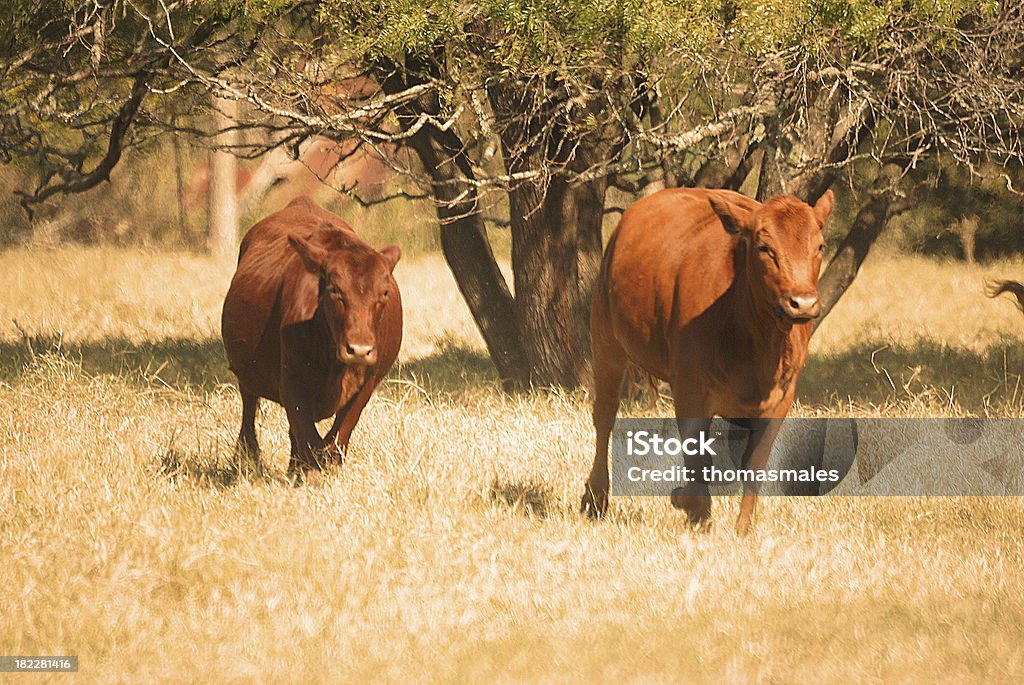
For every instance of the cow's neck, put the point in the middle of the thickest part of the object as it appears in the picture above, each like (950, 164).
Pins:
(777, 348)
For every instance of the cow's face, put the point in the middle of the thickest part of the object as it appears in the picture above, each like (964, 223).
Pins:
(355, 284)
(785, 247)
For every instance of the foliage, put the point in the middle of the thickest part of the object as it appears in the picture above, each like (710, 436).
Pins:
(603, 64)
(538, 106)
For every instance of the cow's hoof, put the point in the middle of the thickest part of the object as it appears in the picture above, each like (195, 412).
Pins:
(306, 475)
(314, 478)
(594, 505)
(333, 454)
(744, 526)
(245, 454)
(697, 507)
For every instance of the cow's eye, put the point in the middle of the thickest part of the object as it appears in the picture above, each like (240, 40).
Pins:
(821, 248)
(764, 249)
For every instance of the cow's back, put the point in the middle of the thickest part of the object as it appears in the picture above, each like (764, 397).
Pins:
(300, 214)
(668, 261)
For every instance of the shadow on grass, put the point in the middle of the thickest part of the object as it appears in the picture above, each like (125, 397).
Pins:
(530, 499)
(453, 369)
(206, 469)
(209, 470)
(175, 362)
(927, 370)
(865, 374)
(186, 362)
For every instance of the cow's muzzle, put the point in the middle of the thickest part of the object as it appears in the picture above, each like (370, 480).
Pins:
(800, 306)
(357, 355)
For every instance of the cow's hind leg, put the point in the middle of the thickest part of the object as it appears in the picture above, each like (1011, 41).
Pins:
(609, 367)
(247, 448)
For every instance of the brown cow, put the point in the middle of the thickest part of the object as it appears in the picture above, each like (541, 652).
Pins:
(312, 321)
(714, 293)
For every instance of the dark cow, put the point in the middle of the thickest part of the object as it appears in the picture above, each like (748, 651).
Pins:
(714, 293)
(312, 321)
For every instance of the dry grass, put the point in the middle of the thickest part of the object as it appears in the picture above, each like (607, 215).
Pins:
(902, 301)
(448, 547)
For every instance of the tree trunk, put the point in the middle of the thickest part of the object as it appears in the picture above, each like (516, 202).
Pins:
(556, 230)
(769, 178)
(469, 256)
(179, 181)
(223, 240)
(802, 158)
(463, 233)
(967, 228)
(556, 253)
(540, 337)
(874, 214)
(730, 168)
(273, 168)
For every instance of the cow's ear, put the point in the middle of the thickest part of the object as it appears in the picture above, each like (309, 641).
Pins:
(313, 258)
(733, 218)
(823, 207)
(391, 255)
(300, 295)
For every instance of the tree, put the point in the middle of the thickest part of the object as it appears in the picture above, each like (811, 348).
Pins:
(535, 108)
(223, 182)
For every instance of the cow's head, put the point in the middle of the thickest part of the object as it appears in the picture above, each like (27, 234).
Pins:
(785, 247)
(354, 285)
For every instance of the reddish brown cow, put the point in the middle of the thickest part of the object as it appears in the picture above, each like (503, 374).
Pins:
(312, 321)
(714, 293)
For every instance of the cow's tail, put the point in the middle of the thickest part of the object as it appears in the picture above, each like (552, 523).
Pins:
(997, 288)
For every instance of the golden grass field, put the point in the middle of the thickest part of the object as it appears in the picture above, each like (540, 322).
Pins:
(448, 547)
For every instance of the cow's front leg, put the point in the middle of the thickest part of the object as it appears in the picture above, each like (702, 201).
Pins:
(694, 497)
(755, 458)
(307, 445)
(345, 420)
(307, 449)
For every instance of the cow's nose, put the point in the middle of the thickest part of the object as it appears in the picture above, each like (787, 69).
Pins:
(801, 305)
(361, 354)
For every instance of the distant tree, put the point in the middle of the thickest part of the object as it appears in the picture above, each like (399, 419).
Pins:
(81, 82)
(222, 195)
(534, 108)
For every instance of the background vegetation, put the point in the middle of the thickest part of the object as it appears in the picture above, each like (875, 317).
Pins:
(117, 214)
(537, 111)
